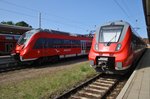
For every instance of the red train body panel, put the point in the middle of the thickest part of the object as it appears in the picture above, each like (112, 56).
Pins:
(7, 43)
(115, 47)
(37, 44)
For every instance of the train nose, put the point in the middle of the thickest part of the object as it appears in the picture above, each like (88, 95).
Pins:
(103, 47)
(18, 48)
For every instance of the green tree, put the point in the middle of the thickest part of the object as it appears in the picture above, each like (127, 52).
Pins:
(3, 22)
(22, 23)
(8, 22)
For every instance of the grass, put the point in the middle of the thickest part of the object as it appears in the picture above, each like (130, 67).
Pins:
(47, 85)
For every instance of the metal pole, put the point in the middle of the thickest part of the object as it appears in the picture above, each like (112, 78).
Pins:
(40, 20)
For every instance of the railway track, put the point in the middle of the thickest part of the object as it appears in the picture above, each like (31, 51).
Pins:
(96, 88)
(102, 86)
(6, 59)
(7, 63)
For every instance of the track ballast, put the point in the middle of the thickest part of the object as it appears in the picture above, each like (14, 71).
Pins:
(96, 88)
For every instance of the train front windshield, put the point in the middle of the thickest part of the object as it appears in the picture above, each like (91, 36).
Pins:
(25, 37)
(110, 33)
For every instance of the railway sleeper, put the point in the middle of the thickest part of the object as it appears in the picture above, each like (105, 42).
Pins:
(93, 91)
(106, 81)
(102, 84)
(89, 94)
(78, 97)
(97, 86)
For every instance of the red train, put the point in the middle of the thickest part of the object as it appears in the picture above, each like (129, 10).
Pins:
(44, 45)
(7, 43)
(115, 47)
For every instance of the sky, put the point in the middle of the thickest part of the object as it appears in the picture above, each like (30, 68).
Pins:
(74, 16)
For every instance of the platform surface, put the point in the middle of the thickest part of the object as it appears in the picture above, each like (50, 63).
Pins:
(138, 85)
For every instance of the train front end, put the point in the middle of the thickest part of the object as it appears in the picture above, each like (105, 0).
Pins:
(111, 48)
(23, 46)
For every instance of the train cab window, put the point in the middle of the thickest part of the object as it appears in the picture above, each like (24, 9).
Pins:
(110, 33)
(26, 36)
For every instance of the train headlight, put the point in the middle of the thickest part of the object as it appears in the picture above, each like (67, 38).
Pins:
(96, 46)
(118, 47)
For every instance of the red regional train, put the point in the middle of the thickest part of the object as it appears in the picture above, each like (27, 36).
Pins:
(7, 43)
(50, 45)
(115, 47)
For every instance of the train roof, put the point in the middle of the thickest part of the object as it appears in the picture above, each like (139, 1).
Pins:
(10, 34)
(120, 22)
(124, 23)
(60, 32)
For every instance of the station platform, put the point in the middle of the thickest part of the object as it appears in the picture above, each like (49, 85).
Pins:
(138, 85)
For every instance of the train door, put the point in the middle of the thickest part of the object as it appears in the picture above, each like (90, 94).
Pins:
(8, 47)
(83, 47)
(45, 47)
(39, 45)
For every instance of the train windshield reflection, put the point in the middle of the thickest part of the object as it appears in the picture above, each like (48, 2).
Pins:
(25, 37)
(110, 33)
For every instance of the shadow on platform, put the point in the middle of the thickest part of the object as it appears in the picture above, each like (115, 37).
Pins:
(144, 61)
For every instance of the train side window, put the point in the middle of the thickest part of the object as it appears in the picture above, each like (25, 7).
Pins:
(39, 43)
(62, 43)
(79, 43)
(50, 43)
(73, 44)
(67, 43)
(46, 45)
(9, 37)
(134, 39)
(57, 43)
(17, 37)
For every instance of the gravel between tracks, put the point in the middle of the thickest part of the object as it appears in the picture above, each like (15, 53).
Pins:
(29, 73)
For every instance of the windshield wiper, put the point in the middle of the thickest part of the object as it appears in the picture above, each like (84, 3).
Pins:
(109, 42)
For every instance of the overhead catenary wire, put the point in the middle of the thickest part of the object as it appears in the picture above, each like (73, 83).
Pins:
(15, 12)
(124, 11)
(60, 19)
(46, 13)
(117, 3)
(66, 23)
(31, 16)
(126, 6)
(16, 5)
(70, 25)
